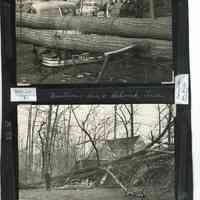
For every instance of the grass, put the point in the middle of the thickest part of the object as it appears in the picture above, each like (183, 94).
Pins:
(151, 193)
(91, 194)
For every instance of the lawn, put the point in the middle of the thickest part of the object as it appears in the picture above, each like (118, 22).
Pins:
(90, 194)
(151, 193)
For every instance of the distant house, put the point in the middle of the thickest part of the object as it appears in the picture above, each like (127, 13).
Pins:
(112, 149)
(121, 147)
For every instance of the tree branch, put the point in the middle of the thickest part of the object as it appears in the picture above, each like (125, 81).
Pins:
(89, 136)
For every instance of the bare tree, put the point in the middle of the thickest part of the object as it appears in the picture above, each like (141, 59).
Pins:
(81, 125)
(28, 145)
(165, 117)
(132, 120)
(115, 121)
(67, 134)
(32, 138)
(47, 139)
(159, 122)
(169, 117)
(127, 114)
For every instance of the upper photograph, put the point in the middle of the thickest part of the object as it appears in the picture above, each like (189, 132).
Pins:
(94, 41)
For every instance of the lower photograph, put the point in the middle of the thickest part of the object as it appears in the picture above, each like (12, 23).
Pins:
(96, 152)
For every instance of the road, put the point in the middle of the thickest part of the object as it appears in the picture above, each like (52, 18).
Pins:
(120, 70)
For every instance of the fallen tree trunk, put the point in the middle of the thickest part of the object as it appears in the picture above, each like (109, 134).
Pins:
(160, 28)
(165, 152)
(93, 43)
(115, 178)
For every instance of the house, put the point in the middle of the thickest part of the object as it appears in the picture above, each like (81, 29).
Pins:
(121, 147)
(112, 149)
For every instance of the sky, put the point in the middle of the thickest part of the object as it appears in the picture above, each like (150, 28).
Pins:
(147, 116)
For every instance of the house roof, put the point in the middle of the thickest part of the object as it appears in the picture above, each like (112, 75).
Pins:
(123, 143)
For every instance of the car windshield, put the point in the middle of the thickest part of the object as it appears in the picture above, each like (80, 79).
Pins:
(53, 12)
(90, 4)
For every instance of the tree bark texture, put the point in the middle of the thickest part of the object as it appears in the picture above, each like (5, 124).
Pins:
(160, 28)
(115, 121)
(132, 121)
(94, 43)
(89, 136)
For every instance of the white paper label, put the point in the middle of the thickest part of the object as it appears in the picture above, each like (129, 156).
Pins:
(182, 89)
(23, 95)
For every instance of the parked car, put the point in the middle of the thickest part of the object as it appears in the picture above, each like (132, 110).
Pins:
(55, 57)
(90, 8)
(53, 8)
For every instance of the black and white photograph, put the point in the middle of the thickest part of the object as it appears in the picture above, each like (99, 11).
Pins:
(94, 41)
(96, 152)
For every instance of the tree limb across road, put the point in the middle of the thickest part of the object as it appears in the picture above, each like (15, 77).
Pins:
(160, 28)
(94, 43)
